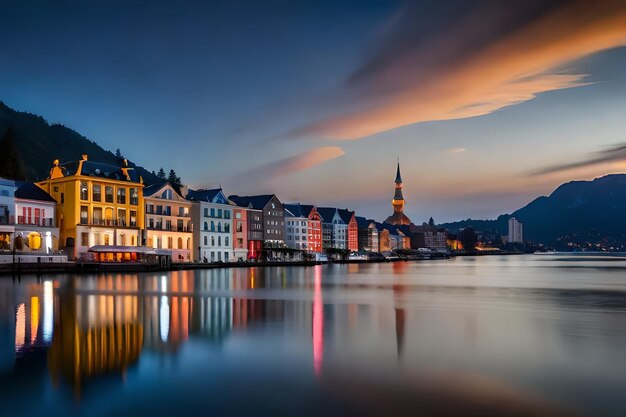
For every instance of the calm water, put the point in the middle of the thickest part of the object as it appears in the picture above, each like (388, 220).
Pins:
(521, 335)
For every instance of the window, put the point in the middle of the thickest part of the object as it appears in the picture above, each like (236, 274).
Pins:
(212, 226)
(219, 241)
(168, 225)
(227, 228)
(84, 191)
(84, 239)
(238, 215)
(219, 213)
(96, 192)
(212, 240)
(121, 217)
(212, 212)
(97, 215)
(108, 193)
(227, 214)
(226, 241)
(84, 216)
(134, 196)
(219, 226)
(121, 195)
(166, 195)
(206, 242)
(133, 218)
(206, 226)
(151, 223)
(206, 212)
(170, 242)
(240, 243)
(239, 228)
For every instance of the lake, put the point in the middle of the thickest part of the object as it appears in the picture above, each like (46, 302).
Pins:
(471, 336)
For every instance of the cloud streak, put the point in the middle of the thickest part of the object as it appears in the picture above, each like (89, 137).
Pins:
(473, 61)
(614, 154)
(291, 165)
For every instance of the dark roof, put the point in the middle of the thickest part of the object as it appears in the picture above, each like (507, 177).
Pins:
(363, 222)
(30, 191)
(345, 215)
(306, 209)
(151, 189)
(203, 195)
(327, 213)
(398, 176)
(100, 169)
(257, 202)
(294, 209)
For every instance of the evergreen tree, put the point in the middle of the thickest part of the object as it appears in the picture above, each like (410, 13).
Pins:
(118, 153)
(174, 179)
(431, 222)
(161, 174)
(11, 163)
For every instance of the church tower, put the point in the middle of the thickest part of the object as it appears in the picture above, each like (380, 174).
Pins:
(398, 217)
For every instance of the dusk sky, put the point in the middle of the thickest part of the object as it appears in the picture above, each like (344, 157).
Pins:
(488, 104)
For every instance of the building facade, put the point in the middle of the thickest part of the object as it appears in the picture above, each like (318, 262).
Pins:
(367, 234)
(36, 224)
(334, 229)
(272, 220)
(168, 223)
(97, 204)
(515, 231)
(352, 232)
(240, 233)
(212, 214)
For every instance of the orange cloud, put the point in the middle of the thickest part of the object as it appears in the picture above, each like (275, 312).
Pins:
(300, 162)
(436, 80)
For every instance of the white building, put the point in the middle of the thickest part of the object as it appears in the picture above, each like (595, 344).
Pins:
(296, 227)
(27, 218)
(515, 231)
(168, 221)
(212, 214)
(334, 228)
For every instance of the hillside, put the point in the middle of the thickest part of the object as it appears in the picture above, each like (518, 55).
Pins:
(39, 143)
(582, 208)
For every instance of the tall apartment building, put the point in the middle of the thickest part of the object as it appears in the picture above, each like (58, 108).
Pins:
(515, 231)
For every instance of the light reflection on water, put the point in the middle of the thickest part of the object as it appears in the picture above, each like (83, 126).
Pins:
(522, 335)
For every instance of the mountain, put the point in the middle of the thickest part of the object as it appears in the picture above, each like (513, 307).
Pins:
(577, 208)
(40, 143)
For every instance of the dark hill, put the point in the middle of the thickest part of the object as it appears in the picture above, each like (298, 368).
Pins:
(575, 208)
(40, 143)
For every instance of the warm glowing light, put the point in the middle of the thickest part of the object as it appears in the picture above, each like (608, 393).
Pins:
(34, 318)
(20, 326)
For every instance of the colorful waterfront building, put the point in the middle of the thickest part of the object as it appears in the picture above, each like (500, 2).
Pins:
(168, 223)
(267, 213)
(352, 232)
(367, 234)
(296, 227)
(241, 233)
(212, 214)
(97, 204)
(334, 229)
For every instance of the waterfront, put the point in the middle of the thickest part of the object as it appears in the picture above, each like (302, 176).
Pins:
(508, 335)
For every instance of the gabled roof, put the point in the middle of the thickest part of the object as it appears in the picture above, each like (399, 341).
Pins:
(327, 213)
(293, 210)
(155, 190)
(257, 202)
(30, 191)
(215, 195)
(363, 222)
(345, 214)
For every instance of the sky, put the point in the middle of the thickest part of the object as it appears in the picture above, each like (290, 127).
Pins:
(488, 104)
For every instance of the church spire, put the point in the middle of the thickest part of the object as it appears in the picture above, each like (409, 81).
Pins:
(398, 176)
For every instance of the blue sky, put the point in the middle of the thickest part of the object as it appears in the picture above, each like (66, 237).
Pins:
(315, 100)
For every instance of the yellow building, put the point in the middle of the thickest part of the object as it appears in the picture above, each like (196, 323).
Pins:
(97, 204)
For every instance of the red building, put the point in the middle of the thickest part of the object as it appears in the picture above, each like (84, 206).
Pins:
(349, 218)
(314, 225)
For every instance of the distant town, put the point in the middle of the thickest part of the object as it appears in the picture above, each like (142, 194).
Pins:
(93, 211)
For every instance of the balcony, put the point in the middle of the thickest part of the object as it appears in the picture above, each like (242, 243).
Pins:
(35, 221)
(172, 228)
(107, 222)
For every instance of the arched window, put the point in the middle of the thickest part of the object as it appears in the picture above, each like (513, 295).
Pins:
(226, 241)
(219, 241)
(180, 243)
(188, 243)
(219, 226)
(212, 240)
(212, 226)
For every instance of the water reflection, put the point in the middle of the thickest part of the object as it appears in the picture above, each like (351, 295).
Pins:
(352, 339)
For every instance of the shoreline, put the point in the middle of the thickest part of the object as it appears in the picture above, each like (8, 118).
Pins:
(95, 267)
